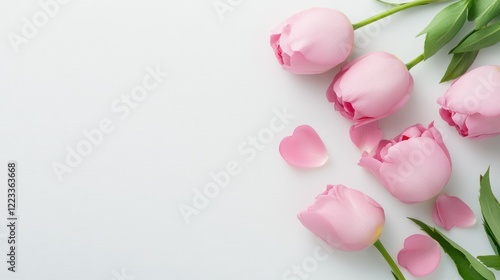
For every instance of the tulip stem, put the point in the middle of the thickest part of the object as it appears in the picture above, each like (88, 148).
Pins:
(394, 10)
(395, 269)
(415, 61)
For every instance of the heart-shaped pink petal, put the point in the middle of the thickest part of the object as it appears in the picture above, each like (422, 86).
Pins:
(451, 211)
(367, 136)
(420, 255)
(304, 148)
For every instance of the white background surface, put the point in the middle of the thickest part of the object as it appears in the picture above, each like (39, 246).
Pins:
(116, 215)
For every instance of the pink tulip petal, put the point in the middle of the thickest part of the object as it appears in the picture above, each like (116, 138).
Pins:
(317, 223)
(366, 137)
(482, 126)
(451, 211)
(371, 164)
(420, 255)
(304, 148)
(439, 138)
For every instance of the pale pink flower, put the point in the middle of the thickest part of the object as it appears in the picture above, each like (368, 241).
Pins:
(371, 88)
(472, 103)
(313, 41)
(344, 218)
(414, 166)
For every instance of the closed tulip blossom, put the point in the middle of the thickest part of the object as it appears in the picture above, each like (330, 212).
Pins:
(371, 87)
(472, 103)
(344, 218)
(348, 220)
(414, 166)
(313, 41)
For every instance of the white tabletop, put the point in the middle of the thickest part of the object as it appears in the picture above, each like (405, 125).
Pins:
(170, 92)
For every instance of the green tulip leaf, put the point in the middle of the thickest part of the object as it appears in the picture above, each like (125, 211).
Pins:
(484, 11)
(477, 6)
(459, 64)
(480, 39)
(468, 267)
(472, 12)
(443, 27)
(491, 237)
(490, 208)
(491, 261)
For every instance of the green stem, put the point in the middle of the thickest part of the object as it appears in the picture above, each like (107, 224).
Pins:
(415, 61)
(395, 269)
(392, 11)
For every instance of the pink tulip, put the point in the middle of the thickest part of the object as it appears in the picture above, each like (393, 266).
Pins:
(344, 218)
(371, 87)
(313, 41)
(472, 103)
(414, 166)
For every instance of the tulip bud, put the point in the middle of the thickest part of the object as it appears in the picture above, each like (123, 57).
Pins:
(313, 41)
(414, 166)
(371, 87)
(472, 103)
(344, 218)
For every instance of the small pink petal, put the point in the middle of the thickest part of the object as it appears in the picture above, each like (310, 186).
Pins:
(304, 148)
(366, 137)
(451, 211)
(420, 255)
